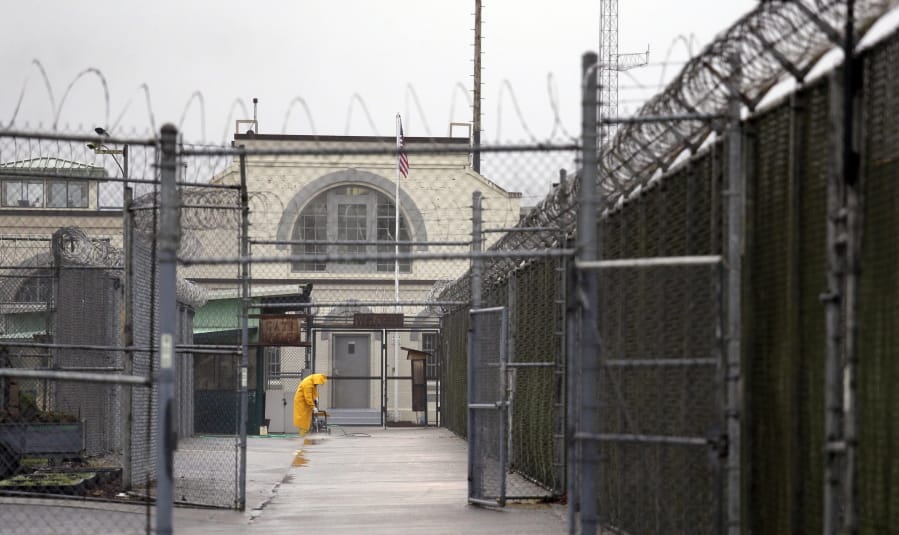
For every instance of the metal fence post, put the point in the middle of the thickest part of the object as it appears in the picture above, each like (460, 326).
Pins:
(733, 375)
(169, 238)
(476, 246)
(244, 332)
(852, 90)
(571, 397)
(587, 249)
(475, 288)
(833, 313)
(127, 418)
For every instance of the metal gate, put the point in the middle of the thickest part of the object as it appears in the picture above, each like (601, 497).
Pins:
(661, 439)
(487, 408)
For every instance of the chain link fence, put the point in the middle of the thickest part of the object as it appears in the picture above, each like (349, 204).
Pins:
(370, 274)
(660, 392)
(878, 320)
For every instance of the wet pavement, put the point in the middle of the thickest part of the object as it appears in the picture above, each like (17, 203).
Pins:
(365, 480)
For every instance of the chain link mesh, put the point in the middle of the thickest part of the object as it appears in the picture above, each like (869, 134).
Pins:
(878, 321)
(78, 295)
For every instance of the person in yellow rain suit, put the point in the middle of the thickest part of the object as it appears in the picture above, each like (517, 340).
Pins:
(305, 401)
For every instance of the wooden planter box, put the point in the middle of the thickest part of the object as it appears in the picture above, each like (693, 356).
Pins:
(44, 439)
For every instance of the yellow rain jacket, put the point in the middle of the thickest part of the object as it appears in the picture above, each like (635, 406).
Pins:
(304, 401)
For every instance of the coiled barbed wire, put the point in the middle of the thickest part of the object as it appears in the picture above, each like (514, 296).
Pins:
(201, 209)
(75, 247)
(769, 43)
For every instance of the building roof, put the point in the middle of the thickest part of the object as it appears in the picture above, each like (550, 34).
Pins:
(48, 163)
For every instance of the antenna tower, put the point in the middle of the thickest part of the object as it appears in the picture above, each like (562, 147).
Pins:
(610, 64)
(476, 108)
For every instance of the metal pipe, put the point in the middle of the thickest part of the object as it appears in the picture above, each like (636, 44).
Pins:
(665, 118)
(353, 304)
(325, 258)
(851, 172)
(635, 363)
(244, 335)
(475, 289)
(127, 416)
(571, 397)
(642, 439)
(504, 408)
(701, 260)
(384, 149)
(587, 250)
(84, 377)
(357, 242)
(520, 229)
(833, 321)
(169, 238)
(734, 272)
(477, 244)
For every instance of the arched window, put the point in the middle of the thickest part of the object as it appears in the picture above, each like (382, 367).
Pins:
(349, 213)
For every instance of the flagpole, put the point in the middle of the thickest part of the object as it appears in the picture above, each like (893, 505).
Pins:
(396, 273)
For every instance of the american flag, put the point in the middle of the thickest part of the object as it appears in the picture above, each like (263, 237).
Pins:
(401, 146)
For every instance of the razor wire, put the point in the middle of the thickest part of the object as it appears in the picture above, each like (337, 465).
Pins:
(775, 40)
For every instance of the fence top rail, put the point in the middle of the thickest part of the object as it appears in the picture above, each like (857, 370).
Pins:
(359, 242)
(325, 258)
(524, 229)
(704, 260)
(81, 377)
(81, 138)
(357, 304)
(323, 149)
(486, 310)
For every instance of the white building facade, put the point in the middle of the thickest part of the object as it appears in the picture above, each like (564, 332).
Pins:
(321, 197)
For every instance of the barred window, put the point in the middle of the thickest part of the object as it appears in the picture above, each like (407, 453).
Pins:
(429, 345)
(349, 213)
(273, 363)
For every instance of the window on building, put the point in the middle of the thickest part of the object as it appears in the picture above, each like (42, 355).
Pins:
(38, 289)
(24, 193)
(273, 363)
(429, 345)
(349, 213)
(36, 193)
(66, 194)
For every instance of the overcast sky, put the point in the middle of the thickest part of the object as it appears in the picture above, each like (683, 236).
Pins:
(335, 55)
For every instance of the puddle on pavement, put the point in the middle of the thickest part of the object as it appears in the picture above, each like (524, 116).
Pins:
(299, 459)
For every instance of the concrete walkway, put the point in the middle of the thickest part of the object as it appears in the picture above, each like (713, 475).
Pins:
(365, 480)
